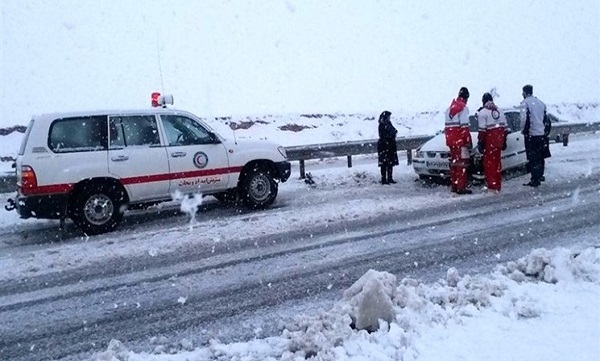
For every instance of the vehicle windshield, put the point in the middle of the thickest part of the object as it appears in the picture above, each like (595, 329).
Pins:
(513, 118)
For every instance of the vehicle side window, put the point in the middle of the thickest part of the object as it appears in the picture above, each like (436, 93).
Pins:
(514, 121)
(182, 130)
(473, 123)
(79, 134)
(133, 130)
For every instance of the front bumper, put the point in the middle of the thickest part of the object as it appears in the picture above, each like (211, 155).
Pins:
(422, 168)
(284, 169)
(46, 206)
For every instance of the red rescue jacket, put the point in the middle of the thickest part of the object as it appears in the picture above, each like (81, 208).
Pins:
(457, 124)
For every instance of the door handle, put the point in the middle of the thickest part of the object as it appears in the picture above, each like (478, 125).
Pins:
(178, 154)
(119, 158)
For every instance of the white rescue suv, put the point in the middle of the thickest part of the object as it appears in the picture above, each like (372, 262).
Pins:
(92, 166)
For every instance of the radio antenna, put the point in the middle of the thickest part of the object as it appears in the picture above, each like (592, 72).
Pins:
(162, 85)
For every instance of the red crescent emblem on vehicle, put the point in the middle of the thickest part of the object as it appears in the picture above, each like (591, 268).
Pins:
(200, 160)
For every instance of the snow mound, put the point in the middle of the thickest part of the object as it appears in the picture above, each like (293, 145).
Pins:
(378, 318)
(558, 265)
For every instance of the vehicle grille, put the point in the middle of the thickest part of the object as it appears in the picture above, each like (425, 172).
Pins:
(442, 155)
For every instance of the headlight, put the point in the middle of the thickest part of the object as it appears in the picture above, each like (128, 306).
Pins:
(419, 154)
(282, 152)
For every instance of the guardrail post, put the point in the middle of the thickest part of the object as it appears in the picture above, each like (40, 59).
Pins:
(349, 161)
(409, 156)
(302, 169)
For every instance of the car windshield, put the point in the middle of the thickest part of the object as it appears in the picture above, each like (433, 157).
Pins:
(512, 118)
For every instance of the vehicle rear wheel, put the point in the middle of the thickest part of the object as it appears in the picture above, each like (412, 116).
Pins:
(258, 188)
(98, 208)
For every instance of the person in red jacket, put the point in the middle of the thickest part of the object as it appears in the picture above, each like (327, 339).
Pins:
(458, 139)
(491, 140)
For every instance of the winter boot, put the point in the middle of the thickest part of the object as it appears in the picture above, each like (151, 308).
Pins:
(384, 179)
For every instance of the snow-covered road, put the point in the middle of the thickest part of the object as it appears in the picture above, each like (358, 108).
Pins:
(235, 275)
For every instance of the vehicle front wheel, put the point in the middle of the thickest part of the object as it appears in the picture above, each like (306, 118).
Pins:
(258, 188)
(98, 209)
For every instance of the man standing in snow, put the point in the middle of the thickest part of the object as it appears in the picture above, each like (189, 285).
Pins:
(491, 140)
(458, 139)
(386, 148)
(533, 112)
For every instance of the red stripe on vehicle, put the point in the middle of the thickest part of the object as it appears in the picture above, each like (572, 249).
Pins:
(66, 188)
(179, 175)
(146, 179)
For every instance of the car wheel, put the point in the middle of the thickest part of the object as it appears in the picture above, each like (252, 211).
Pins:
(258, 188)
(98, 209)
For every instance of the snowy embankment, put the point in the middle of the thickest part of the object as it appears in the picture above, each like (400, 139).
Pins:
(517, 312)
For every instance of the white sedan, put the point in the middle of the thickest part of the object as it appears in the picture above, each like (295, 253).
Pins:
(431, 159)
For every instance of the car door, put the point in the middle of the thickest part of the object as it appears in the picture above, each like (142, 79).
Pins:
(514, 154)
(198, 160)
(137, 157)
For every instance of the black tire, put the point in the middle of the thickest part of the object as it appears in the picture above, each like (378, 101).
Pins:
(98, 208)
(258, 188)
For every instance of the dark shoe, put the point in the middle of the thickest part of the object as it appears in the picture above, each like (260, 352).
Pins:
(384, 181)
(543, 179)
(532, 184)
(464, 191)
(390, 172)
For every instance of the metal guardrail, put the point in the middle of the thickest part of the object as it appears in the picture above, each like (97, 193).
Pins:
(560, 132)
(301, 153)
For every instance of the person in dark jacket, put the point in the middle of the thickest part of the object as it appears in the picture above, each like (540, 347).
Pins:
(386, 148)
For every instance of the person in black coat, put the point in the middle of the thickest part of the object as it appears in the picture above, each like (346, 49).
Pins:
(386, 148)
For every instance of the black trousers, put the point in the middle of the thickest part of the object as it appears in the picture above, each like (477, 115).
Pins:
(387, 172)
(535, 156)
